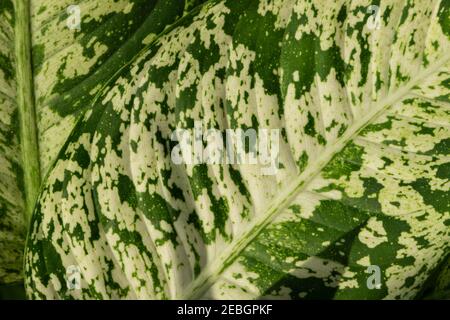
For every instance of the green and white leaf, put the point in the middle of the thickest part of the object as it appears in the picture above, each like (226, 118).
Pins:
(70, 64)
(364, 159)
(12, 205)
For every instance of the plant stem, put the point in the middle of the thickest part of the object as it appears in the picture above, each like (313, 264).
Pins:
(25, 101)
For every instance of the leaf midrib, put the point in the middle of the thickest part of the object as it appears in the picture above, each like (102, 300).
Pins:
(212, 272)
(25, 103)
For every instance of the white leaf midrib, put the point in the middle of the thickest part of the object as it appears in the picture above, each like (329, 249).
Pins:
(212, 271)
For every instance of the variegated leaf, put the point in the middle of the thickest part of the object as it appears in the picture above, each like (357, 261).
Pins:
(363, 177)
(12, 204)
(76, 48)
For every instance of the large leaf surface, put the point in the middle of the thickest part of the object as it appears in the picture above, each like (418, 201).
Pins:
(364, 160)
(12, 205)
(70, 64)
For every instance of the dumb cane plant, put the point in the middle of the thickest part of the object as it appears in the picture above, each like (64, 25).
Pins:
(359, 207)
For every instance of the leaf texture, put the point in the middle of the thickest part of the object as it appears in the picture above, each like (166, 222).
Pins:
(74, 59)
(71, 63)
(12, 204)
(363, 173)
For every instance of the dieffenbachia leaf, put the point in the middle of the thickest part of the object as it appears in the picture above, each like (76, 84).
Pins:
(78, 46)
(71, 49)
(12, 204)
(359, 207)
